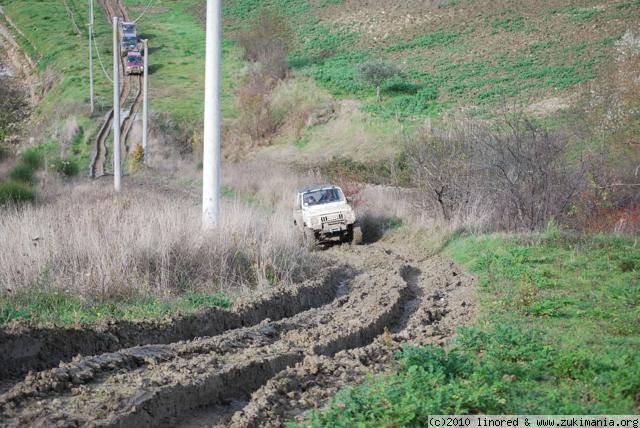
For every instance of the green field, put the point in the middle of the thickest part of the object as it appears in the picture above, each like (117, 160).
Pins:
(467, 55)
(558, 333)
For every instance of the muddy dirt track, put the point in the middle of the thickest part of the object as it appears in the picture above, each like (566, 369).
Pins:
(113, 8)
(381, 297)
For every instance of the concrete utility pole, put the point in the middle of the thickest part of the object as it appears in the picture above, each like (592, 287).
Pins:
(145, 102)
(117, 173)
(211, 155)
(91, 54)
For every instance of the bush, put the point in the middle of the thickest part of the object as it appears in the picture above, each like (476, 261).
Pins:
(33, 158)
(67, 167)
(137, 155)
(12, 192)
(394, 172)
(25, 170)
(23, 173)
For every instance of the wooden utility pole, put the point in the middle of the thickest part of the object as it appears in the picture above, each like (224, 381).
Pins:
(117, 173)
(145, 103)
(212, 119)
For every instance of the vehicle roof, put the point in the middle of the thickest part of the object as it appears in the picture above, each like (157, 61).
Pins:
(134, 54)
(315, 187)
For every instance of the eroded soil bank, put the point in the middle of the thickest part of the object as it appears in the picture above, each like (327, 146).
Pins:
(25, 347)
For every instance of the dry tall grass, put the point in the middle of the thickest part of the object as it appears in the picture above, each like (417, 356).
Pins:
(399, 214)
(145, 241)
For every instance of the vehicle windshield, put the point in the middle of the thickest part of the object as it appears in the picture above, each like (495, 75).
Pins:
(323, 196)
(128, 28)
(130, 40)
(134, 59)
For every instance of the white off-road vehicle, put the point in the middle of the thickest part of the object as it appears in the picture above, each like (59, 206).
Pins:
(322, 214)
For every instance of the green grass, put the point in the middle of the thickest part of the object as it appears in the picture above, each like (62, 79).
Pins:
(558, 333)
(63, 308)
(177, 42)
(18, 189)
(442, 58)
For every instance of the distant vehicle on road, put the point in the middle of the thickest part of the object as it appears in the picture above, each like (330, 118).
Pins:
(322, 214)
(134, 63)
(128, 44)
(128, 29)
(129, 40)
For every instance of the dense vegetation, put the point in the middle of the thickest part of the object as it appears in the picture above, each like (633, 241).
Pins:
(559, 333)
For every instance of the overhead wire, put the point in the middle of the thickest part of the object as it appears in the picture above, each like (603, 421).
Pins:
(99, 58)
(145, 10)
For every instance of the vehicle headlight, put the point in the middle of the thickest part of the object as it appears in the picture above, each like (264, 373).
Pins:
(315, 221)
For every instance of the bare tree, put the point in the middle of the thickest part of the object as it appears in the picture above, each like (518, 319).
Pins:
(441, 169)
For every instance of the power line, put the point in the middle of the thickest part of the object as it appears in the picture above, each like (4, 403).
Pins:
(145, 10)
(100, 59)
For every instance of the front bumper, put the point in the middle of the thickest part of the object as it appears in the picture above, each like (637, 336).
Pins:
(333, 228)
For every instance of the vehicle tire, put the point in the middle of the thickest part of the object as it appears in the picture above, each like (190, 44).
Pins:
(356, 235)
(309, 239)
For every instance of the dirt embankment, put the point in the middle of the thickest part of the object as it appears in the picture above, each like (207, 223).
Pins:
(24, 347)
(24, 67)
(265, 374)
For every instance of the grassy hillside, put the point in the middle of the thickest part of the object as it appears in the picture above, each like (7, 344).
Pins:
(455, 53)
(452, 52)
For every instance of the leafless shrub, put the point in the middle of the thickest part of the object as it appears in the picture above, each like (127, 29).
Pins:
(529, 171)
(441, 169)
(98, 244)
(266, 40)
(521, 171)
(13, 108)
(256, 115)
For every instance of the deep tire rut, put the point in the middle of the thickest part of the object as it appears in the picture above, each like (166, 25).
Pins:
(98, 168)
(24, 347)
(273, 371)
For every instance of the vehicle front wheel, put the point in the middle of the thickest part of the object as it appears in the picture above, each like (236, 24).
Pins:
(356, 235)
(309, 239)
